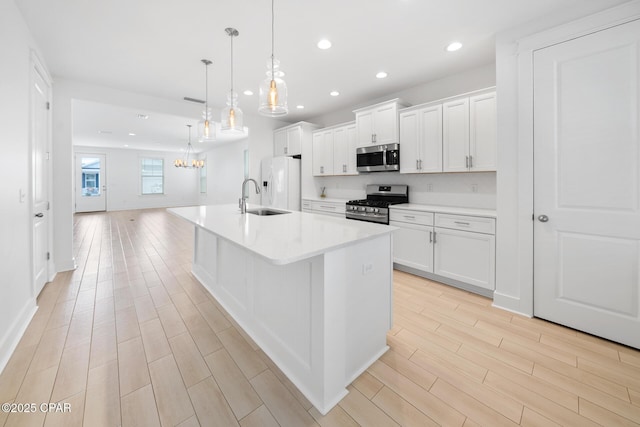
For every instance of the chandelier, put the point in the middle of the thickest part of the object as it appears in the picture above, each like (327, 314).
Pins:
(184, 162)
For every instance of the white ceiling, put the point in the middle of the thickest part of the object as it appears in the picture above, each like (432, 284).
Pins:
(154, 47)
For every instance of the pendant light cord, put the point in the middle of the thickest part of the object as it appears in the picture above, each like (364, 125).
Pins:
(232, 65)
(273, 77)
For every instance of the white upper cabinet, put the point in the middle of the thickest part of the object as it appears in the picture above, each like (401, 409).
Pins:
(469, 134)
(455, 119)
(344, 150)
(287, 141)
(322, 163)
(421, 140)
(334, 151)
(378, 124)
(483, 132)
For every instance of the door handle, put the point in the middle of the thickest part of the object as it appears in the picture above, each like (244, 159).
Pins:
(39, 215)
(543, 218)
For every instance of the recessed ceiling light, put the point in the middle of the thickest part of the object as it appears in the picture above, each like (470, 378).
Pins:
(132, 134)
(248, 92)
(334, 93)
(324, 44)
(454, 46)
(126, 145)
(381, 75)
(300, 107)
(105, 132)
(143, 116)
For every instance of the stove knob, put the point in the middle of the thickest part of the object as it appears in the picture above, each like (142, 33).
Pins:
(376, 210)
(361, 208)
(369, 209)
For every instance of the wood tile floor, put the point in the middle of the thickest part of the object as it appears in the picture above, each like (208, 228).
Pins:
(130, 338)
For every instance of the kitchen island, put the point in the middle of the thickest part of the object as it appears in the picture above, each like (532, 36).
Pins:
(314, 292)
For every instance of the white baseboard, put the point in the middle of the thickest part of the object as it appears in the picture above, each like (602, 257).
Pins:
(9, 341)
(67, 265)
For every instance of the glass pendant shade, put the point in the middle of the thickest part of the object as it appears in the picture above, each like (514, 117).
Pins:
(273, 92)
(206, 127)
(231, 116)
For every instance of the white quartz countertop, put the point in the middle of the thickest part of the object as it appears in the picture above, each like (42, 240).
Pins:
(281, 239)
(488, 213)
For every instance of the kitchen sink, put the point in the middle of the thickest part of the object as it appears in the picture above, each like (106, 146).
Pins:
(266, 212)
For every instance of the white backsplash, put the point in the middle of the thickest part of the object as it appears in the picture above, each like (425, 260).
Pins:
(472, 190)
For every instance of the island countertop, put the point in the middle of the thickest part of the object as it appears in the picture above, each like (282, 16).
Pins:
(280, 239)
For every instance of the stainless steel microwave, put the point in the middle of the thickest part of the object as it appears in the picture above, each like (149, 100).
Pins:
(378, 158)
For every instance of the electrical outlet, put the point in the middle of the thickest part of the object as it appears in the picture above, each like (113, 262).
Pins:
(474, 188)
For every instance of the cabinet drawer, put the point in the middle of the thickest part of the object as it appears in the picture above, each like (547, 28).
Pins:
(411, 217)
(306, 205)
(466, 223)
(328, 207)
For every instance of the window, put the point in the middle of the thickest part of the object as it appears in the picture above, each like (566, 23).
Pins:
(152, 176)
(203, 177)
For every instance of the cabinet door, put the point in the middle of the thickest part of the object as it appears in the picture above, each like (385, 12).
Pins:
(280, 143)
(455, 145)
(322, 153)
(385, 124)
(465, 256)
(430, 140)
(294, 141)
(317, 148)
(482, 132)
(340, 148)
(409, 155)
(412, 246)
(364, 128)
(352, 144)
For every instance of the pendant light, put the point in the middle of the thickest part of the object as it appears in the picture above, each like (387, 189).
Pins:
(206, 126)
(273, 90)
(184, 162)
(231, 116)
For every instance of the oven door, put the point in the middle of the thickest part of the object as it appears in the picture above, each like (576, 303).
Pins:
(378, 158)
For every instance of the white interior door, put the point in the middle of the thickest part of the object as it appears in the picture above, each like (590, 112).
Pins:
(587, 183)
(40, 114)
(91, 182)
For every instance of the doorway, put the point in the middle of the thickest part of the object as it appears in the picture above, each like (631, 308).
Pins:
(587, 183)
(91, 182)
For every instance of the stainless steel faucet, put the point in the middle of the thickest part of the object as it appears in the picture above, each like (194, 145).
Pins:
(242, 202)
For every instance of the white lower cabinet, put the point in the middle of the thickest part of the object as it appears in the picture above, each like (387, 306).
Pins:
(452, 246)
(465, 256)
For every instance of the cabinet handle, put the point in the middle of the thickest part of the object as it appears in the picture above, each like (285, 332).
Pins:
(409, 217)
(434, 237)
(333, 208)
(321, 169)
(374, 137)
(420, 164)
(285, 150)
(461, 223)
(466, 162)
(470, 162)
(417, 164)
(344, 168)
(431, 237)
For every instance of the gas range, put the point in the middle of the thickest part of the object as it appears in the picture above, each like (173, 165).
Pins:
(375, 208)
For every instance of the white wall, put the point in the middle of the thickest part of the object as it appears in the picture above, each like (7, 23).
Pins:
(451, 189)
(514, 235)
(123, 180)
(17, 302)
(225, 173)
